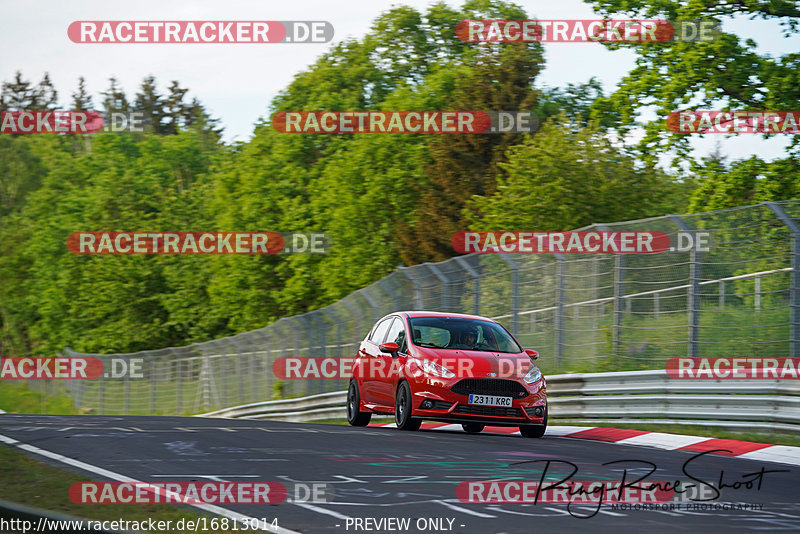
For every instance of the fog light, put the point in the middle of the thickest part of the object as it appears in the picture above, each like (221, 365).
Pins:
(538, 411)
(427, 404)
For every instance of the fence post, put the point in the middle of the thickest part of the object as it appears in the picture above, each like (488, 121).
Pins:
(320, 338)
(561, 275)
(338, 324)
(794, 291)
(758, 293)
(223, 372)
(127, 386)
(722, 294)
(619, 297)
(514, 292)
(417, 289)
(260, 344)
(694, 288)
(178, 383)
(445, 285)
(153, 375)
(371, 301)
(238, 359)
(476, 280)
(296, 338)
(102, 394)
(263, 342)
(356, 320)
(392, 294)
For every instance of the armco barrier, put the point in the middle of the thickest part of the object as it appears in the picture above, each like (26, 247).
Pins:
(628, 397)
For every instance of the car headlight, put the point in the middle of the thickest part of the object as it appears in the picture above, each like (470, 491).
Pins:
(534, 374)
(433, 368)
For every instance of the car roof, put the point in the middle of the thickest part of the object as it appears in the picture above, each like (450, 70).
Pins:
(422, 313)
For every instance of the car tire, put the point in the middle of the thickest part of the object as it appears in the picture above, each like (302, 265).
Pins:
(472, 428)
(403, 409)
(535, 431)
(354, 416)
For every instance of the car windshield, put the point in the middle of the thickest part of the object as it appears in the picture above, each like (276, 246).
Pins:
(459, 333)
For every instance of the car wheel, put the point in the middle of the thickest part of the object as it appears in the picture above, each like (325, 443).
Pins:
(402, 409)
(354, 416)
(472, 428)
(535, 431)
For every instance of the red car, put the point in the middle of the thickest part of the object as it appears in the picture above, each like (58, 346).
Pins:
(447, 367)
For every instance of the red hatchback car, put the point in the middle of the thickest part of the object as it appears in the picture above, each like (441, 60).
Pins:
(447, 367)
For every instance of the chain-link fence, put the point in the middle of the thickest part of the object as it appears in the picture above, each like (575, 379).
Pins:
(585, 312)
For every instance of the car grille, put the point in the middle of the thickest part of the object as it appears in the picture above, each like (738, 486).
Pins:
(487, 410)
(490, 386)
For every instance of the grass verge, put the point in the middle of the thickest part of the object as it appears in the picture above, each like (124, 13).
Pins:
(19, 398)
(33, 483)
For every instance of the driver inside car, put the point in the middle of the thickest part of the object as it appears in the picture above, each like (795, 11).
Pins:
(468, 339)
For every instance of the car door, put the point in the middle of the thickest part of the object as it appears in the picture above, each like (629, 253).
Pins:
(370, 355)
(384, 390)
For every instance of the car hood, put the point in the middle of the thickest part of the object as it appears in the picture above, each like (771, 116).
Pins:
(477, 363)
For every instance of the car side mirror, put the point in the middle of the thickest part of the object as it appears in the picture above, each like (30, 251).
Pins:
(532, 354)
(390, 347)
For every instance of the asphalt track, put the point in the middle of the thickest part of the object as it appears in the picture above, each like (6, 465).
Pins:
(385, 472)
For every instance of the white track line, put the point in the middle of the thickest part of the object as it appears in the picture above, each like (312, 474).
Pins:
(320, 510)
(464, 510)
(218, 510)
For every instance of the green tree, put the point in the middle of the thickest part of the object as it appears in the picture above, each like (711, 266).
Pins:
(20, 94)
(743, 182)
(729, 71)
(498, 78)
(46, 94)
(81, 99)
(150, 102)
(114, 99)
(566, 177)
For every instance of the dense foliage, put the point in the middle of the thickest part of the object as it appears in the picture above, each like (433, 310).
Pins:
(384, 199)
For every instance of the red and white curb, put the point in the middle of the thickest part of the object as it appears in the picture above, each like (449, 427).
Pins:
(673, 442)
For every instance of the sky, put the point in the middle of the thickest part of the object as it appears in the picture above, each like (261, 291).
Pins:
(237, 81)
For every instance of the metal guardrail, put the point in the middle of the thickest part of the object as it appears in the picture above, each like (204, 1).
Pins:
(627, 397)
(313, 408)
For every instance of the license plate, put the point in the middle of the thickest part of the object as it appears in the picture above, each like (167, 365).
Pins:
(490, 400)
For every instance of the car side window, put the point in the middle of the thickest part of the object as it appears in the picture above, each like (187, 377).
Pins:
(397, 333)
(380, 331)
